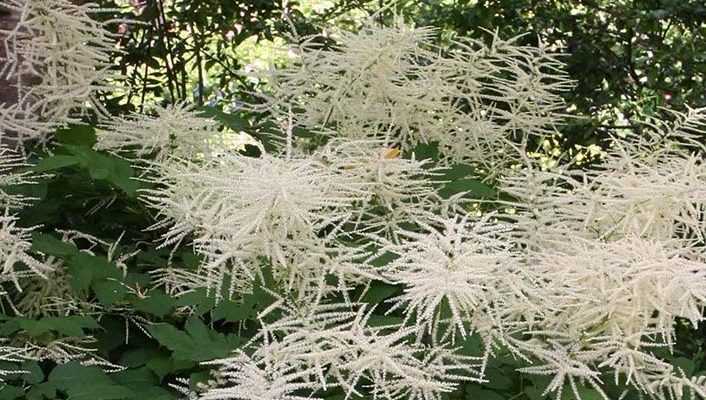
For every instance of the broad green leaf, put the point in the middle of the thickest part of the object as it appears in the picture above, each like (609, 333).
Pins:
(163, 364)
(384, 320)
(86, 269)
(42, 391)
(476, 392)
(9, 392)
(232, 311)
(34, 373)
(78, 135)
(50, 245)
(379, 291)
(198, 299)
(109, 291)
(138, 357)
(383, 259)
(497, 379)
(55, 162)
(144, 383)
(68, 326)
(87, 383)
(585, 393)
(107, 167)
(156, 303)
(475, 188)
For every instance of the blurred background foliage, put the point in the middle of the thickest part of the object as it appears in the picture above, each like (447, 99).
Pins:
(628, 57)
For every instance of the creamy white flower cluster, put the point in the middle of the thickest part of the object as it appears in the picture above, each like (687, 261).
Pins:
(15, 241)
(57, 56)
(324, 346)
(11, 163)
(176, 130)
(293, 211)
(476, 100)
(619, 256)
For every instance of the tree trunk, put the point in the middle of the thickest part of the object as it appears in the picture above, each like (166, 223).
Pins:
(8, 21)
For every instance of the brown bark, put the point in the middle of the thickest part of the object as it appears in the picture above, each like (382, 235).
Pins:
(8, 90)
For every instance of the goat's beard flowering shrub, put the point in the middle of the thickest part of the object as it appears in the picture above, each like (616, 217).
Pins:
(348, 264)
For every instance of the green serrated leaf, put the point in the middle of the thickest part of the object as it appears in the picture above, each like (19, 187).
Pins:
(86, 269)
(9, 392)
(585, 393)
(34, 373)
(384, 320)
(67, 326)
(163, 364)
(476, 392)
(231, 311)
(138, 357)
(42, 391)
(105, 167)
(196, 343)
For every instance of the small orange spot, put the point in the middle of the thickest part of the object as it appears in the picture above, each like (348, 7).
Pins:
(391, 153)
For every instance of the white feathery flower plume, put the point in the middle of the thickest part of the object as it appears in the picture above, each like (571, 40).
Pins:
(320, 346)
(13, 355)
(451, 270)
(394, 84)
(263, 378)
(373, 82)
(15, 260)
(175, 130)
(59, 55)
(647, 185)
(10, 162)
(395, 191)
(237, 208)
(611, 303)
(659, 200)
(68, 349)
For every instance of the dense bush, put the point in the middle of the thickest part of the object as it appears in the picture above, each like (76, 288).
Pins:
(385, 218)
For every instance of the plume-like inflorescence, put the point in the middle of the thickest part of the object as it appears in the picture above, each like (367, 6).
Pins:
(13, 355)
(59, 56)
(238, 208)
(651, 186)
(451, 271)
(393, 84)
(15, 258)
(176, 131)
(11, 174)
(67, 349)
(396, 191)
(317, 346)
(609, 305)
